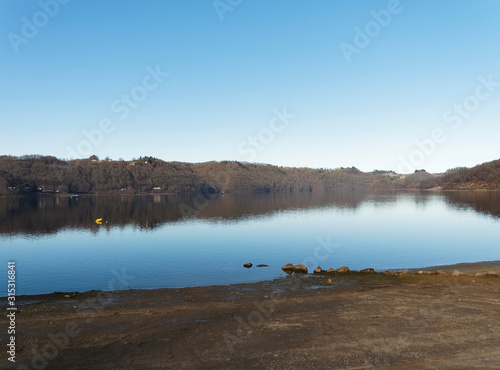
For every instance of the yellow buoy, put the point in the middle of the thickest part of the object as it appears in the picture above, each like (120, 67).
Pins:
(99, 221)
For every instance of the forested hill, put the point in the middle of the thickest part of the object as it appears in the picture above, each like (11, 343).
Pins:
(32, 174)
(29, 174)
(485, 176)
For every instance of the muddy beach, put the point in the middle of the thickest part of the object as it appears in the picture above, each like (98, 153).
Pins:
(351, 321)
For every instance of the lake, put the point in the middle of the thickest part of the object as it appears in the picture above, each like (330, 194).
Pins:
(154, 241)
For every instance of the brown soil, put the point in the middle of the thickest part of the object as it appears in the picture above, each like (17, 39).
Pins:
(355, 321)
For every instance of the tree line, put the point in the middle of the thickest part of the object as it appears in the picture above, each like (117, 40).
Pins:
(35, 173)
(485, 176)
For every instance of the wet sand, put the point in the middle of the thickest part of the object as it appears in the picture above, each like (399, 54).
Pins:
(354, 321)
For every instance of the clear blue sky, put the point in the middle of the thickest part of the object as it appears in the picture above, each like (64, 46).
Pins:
(228, 73)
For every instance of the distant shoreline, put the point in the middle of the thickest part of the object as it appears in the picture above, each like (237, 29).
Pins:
(46, 174)
(114, 193)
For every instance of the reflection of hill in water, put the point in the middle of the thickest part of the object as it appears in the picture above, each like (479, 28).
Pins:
(47, 215)
(485, 202)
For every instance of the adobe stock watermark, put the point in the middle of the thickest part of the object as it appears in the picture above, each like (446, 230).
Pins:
(60, 341)
(265, 309)
(219, 182)
(419, 320)
(266, 135)
(31, 26)
(324, 249)
(223, 6)
(122, 107)
(364, 36)
(455, 116)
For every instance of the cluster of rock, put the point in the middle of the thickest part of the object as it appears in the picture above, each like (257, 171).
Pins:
(302, 269)
(318, 270)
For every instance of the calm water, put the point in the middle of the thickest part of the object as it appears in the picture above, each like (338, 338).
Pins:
(158, 241)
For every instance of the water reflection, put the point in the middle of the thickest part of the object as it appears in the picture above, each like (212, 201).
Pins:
(59, 247)
(485, 202)
(48, 215)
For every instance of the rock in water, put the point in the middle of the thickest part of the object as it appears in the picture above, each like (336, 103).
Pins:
(247, 265)
(287, 267)
(318, 270)
(302, 269)
(343, 269)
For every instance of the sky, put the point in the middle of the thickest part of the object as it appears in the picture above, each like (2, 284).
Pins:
(388, 85)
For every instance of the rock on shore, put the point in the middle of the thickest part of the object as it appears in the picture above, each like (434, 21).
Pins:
(301, 269)
(287, 267)
(367, 271)
(343, 270)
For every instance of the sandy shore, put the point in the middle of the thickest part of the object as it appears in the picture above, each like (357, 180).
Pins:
(355, 321)
(466, 268)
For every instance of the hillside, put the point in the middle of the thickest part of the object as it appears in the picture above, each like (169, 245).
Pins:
(485, 176)
(46, 174)
(31, 174)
